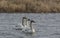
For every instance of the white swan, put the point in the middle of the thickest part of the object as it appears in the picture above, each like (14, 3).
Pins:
(22, 25)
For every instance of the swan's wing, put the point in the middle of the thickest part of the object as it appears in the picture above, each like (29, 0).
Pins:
(25, 29)
(20, 25)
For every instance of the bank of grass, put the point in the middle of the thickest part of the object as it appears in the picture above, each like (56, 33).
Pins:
(52, 6)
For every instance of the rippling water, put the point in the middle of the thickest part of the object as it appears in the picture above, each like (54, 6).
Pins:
(46, 26)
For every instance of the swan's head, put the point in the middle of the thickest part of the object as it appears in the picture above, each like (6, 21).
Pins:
(24, 17)
(28, 20)
(33, 21)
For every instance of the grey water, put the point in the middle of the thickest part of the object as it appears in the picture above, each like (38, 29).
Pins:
(46, 26)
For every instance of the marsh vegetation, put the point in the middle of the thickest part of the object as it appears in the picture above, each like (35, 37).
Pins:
(39, 6)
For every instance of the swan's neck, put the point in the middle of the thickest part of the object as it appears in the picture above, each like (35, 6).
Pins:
(24, 22)
(28, 23)
(33, 30)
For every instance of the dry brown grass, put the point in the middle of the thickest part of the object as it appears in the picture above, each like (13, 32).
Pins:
(30, 6)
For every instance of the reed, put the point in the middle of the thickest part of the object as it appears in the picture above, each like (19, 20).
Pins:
(34, 6)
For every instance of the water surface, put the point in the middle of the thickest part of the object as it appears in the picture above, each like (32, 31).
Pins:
(46, 26)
